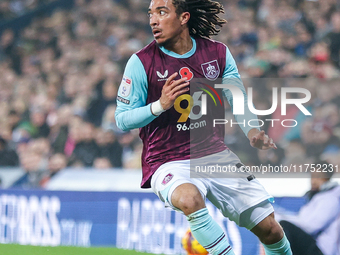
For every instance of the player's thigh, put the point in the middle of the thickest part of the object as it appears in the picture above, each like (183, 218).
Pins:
(171, 176)
(233, 196)
(236, 198)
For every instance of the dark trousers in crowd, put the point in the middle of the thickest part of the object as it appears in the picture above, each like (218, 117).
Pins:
(300, 242)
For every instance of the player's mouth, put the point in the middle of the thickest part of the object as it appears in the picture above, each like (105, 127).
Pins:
(156, 32)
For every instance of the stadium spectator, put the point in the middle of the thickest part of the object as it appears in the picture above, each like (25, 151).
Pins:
(102, 163)
(9, 50)
(317, 136)
(109, 147)
(62, 117)
(334, 38)
(315, 229)
(295, 154)
(56, 163)
(34, 160)
(8, 157)
(106, 97)
(10, 9)
(85, 150)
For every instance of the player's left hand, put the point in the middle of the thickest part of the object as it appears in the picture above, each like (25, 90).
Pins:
(258, 139)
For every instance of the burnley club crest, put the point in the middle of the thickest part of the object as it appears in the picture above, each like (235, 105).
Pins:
(211, 70)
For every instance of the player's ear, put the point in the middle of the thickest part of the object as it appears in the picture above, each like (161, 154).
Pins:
(185, 16)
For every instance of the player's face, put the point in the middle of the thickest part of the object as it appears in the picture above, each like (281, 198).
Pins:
(165, 23)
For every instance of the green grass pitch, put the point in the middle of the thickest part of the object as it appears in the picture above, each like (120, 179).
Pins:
(16, 249)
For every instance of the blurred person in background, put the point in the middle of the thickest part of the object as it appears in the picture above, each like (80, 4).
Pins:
(109, 147)
(8, 157)
(105, 98)
(4, 10)
(334, 38)
(86, 149)
(315, 229)
(271, 157)
(56, 163)
(102, 163)
(295, 154)
(317, 136)
(34, 161)
(74, 135)
(128, 140)
(63, 118)
(13, 119)
(37, 126)
(9, 50)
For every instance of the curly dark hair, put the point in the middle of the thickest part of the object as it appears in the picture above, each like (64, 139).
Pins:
(203, 16)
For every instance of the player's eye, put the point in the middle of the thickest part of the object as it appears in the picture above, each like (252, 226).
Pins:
(149, 15)
(162, 13)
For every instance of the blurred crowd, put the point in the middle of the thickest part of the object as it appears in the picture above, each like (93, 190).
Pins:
(14, 8)
(60, 75)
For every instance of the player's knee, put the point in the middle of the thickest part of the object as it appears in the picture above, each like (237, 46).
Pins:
(191, 204)
(272, 234)
(268, 230)
(187, 198)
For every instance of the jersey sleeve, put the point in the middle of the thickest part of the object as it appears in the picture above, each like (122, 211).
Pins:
(232, 76)
(132, 111)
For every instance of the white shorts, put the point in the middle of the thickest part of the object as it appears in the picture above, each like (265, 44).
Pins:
(242, 201)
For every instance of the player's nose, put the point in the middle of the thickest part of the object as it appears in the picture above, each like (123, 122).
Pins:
(153, 20)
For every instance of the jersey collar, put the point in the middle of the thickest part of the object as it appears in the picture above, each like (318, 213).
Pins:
(185, 55)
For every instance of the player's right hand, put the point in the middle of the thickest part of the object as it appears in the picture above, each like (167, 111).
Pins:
(172, 89)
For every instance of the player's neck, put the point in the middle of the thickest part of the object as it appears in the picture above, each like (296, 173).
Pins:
(182, 45)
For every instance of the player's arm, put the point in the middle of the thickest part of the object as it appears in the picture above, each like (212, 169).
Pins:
(132, 111)
(257, 138)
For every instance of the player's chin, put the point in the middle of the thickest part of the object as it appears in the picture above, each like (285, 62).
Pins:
(160, 41)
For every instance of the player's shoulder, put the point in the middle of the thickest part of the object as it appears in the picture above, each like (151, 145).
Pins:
(209, 41)
(148, 49)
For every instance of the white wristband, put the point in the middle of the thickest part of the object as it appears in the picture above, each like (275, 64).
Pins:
(156, 108)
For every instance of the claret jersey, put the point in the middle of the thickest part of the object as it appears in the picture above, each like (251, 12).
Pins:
(186, 130)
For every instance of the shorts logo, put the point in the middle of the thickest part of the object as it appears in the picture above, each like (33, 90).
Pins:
(125, 87)
(211, 70)
(167, 178)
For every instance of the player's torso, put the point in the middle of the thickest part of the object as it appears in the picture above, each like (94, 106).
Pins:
(187, 128)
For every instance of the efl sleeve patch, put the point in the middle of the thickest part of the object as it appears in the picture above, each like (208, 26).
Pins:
(123, 100)
(125, 86)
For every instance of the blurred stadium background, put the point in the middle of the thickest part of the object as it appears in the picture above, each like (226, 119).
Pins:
(69, 176)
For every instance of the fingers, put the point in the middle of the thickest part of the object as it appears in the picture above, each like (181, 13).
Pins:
(262, 134)
(181, 87)
(170, 79)
(174, 88)
(272, 144)
(171, 83)
(180, 92)
(173, 92)
(269, 143)
(263, 141)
